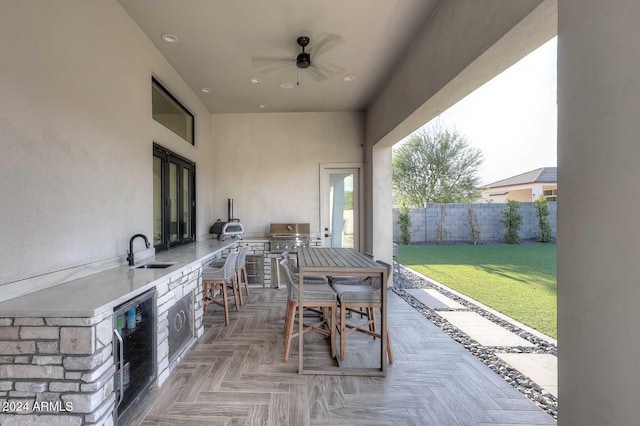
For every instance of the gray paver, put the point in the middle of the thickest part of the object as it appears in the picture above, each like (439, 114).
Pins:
(541, 368)
(434, 299)
(484, 331)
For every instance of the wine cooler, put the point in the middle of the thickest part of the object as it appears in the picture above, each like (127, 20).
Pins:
(134, 350)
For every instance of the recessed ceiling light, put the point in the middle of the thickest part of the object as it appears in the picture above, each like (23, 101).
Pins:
(263, 106)
(349, 77)
(255, 79)
(170, 38)
(286, 85)
(206, 90)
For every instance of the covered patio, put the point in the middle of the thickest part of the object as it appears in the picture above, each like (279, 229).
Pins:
(77, 182)
(236, 375)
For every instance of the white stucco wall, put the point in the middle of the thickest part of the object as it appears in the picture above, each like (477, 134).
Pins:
(269, 163)
(76, 135)
(598, 226)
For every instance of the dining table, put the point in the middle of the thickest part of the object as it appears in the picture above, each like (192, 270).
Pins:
(342, 262)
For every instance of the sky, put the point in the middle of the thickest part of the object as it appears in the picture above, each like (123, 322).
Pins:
(512, 118)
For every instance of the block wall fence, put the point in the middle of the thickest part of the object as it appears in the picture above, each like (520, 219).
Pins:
(424, 222)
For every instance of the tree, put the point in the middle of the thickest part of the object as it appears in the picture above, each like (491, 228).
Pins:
(512, 220)
(474, 225)
(404, 220)
(437, 165)
(542, 211)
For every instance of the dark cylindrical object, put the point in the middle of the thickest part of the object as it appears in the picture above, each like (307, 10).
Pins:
(230, 209)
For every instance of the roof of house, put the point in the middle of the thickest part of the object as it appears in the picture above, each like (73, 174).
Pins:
(541, 175)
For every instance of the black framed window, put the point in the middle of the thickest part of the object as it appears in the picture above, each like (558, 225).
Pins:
(168, 111)
(174, 199)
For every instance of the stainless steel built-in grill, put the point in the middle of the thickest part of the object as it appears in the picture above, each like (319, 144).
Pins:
(288, 237)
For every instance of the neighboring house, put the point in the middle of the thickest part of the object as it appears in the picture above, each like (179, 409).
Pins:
(524, 187)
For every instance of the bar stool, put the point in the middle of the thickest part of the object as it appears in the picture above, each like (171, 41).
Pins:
(362, 298)
(241, 270)
(320, 296)
(221, 279)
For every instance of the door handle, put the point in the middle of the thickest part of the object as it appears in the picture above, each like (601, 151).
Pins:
(121, 347)
(327, 235)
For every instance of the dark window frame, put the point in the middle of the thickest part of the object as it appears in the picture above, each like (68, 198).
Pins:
(156, 83)
(168, 157)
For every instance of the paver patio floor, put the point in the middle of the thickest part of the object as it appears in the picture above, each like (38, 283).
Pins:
(235, 374)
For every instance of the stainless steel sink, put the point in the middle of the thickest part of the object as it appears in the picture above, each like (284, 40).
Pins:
(155, 265)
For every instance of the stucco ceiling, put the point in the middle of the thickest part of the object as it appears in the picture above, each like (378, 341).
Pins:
(218, 38)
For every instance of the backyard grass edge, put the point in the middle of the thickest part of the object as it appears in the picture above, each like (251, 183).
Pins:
(500, 315)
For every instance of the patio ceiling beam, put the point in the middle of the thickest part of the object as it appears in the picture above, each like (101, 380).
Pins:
(461, 46)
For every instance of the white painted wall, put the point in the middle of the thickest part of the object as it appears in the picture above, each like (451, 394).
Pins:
(598, 226)
(269, 163)
(76, 135)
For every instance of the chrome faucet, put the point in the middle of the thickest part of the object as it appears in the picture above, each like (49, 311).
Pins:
(130, 254)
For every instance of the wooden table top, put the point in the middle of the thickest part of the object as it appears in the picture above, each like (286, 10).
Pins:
(343, 260)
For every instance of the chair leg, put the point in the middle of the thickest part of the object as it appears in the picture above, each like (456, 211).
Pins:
(234, 287)
(343, 320)
(225, 301)
(291, 308)
(246, 279)
(238, 285)
(333, 326)
(287, 318)
(372, 318)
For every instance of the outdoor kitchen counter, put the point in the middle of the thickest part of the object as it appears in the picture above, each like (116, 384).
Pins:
(95, 294)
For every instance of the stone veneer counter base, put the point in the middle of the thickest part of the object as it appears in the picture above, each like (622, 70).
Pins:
(56, 345)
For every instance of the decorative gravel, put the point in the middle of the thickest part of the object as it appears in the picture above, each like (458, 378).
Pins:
(406, 279)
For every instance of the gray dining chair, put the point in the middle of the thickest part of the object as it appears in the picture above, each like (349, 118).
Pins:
(319, 296)
(361, 297)
(310, 279)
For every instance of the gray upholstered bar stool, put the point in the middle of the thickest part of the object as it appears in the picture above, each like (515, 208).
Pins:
(221, 279)
(315, 296)
(363, 298)
(241, 270)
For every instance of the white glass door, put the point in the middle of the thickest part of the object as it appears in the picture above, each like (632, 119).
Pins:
(340, 207)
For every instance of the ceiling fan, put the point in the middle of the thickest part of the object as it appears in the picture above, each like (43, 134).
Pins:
(306, 60)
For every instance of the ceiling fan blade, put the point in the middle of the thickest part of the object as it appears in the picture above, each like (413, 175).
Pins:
(267, 64)
(316, 73)
(270, 59)
(325, 44)
(328, 67)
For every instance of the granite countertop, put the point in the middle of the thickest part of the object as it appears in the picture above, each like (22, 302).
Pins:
(98, 293)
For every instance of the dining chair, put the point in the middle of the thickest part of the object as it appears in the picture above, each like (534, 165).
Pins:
(320, 296)
(361, 297)
(295, 272)
(221, 279)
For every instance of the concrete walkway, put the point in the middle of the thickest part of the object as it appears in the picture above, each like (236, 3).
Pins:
(540, 368)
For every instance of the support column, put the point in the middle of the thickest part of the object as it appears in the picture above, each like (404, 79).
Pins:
(382, 218)
(598, 225)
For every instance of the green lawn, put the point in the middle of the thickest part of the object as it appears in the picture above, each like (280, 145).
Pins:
(517, 280)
